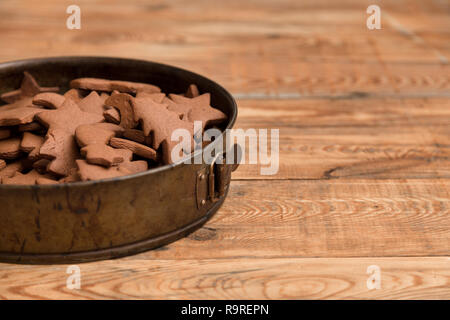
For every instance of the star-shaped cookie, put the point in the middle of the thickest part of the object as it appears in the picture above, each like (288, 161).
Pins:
(197, 109)
(67, 117)
(60, 145)
(19, 112)
(31, 177)
(28, 89)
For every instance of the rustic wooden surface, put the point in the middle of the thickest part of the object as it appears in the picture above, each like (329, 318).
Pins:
(364, 119)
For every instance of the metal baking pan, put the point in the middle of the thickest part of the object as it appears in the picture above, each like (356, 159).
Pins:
(111, 218)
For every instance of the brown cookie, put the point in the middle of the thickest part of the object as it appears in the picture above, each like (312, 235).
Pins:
(182, 110)
(161, 123)
(200, 109)
(123, 103)
(60, 144)
(72, 177)
(28, 88)
(192, 91)
(49, 100)
(2, 164)
(97, 133)
(104, 155)
(24, 179)
(5, 133)
(74, 94)
(20, 112)
(111, 85)
(44, 181)
(93, 103)
(134, 166)
(67, 117)
(112, 115)
(137, 148)
(11, 169)
(137, 136)
(31, 144)
(157, 97)
(60, 147)
(10, 148)
(89, 172)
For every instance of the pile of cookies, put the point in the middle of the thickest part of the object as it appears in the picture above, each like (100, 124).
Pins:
(98, 129)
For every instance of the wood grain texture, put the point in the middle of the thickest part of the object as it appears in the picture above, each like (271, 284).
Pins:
(335, 218)
(293, 278)
(364, 122)
(264, 48)
(363, 137)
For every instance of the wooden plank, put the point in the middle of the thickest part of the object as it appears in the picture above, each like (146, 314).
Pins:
(249, 50)
(335, 218)
(352, 138)
(293, 278)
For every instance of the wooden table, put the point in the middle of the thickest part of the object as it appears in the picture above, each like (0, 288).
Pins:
(364, 119)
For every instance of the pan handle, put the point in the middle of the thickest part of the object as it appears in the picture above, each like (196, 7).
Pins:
(220, 173)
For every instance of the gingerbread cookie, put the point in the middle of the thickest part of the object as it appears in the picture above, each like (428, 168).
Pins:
(200, 109)
(68, 117)
(25, 179)
(182, 110)
(28, 88)
(157, 97)
(74, 94)
(137, 148)
(10, 148)
(161, 123)
(112, 115)
(62, 149)
(123, 103)
(31, 144)
(49, 100)
(88, 171)
(10, 169)
(72, 177)
(20, 112)
(104, 155)
(43, 181)
(111, 85)
(60, 145)
(137, 136)
(97, 133)
(93, 103)
(134, 166)
(152, 116)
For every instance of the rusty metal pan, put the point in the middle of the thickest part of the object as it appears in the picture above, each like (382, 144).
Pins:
(111, 218)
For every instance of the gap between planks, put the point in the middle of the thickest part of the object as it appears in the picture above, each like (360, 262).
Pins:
(350, 96)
